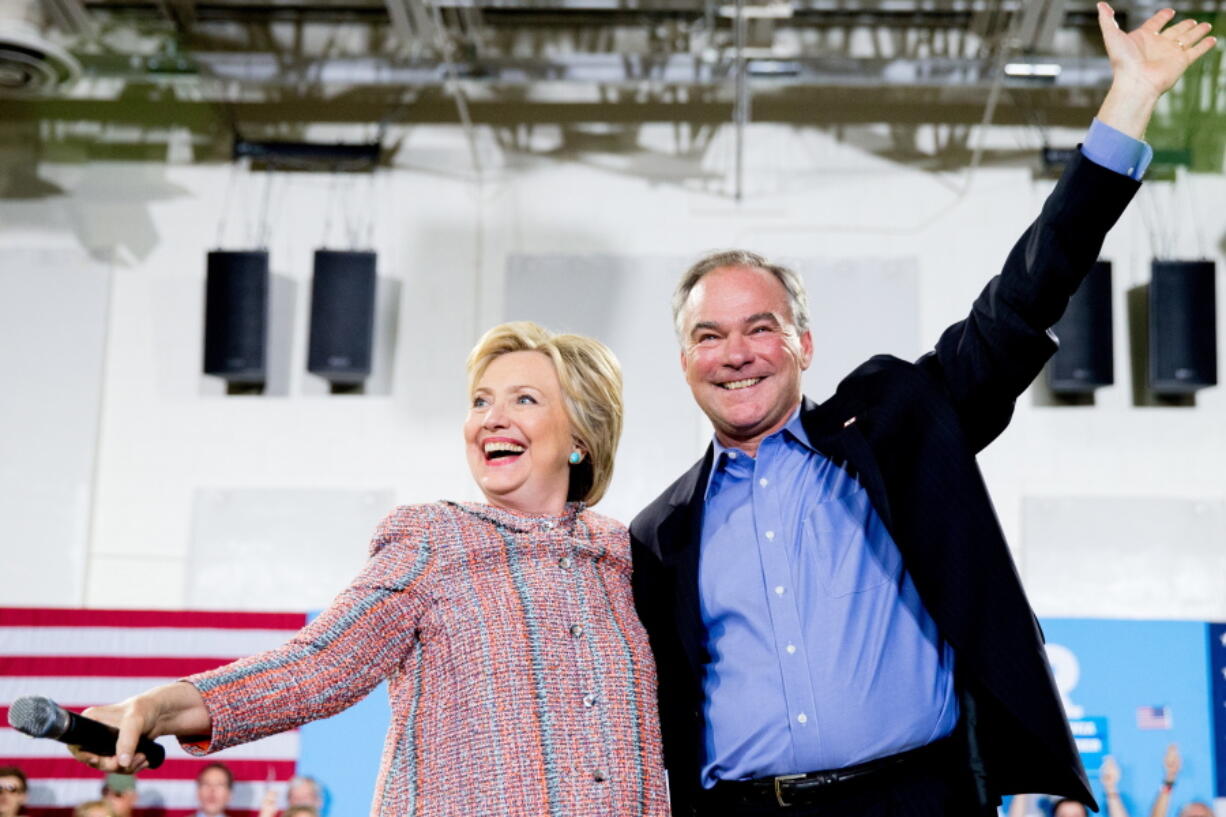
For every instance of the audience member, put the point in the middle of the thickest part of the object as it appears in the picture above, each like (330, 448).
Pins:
(303, 797)
(1171, 764)
(94, 808)
(304, 791)
(214, 785)
(1108, 775)
(1196, 808)
(119, 792)
(12, 791)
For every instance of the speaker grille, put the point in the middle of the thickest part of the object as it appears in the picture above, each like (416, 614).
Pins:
(1182, 326)
(342, 316)
(236, 315)
(1085, 359)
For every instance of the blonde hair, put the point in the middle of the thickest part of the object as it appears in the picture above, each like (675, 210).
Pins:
(591, 380)
(86, 809)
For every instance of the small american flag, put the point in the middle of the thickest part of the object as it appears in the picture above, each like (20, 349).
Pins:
(80, 658)
(1153, 717)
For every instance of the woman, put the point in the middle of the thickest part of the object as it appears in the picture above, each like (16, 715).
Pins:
(521, 682)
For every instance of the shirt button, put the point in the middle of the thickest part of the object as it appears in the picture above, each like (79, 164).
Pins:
(599, 776)
(802, 718)
(565, 562)
(576, 630)
(548, 526)
(764, 482)
(589, 700)
(732, 455)
(779, 590)
(770, 534)
(791, 649)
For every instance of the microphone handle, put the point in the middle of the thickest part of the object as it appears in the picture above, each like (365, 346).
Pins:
(96, 737)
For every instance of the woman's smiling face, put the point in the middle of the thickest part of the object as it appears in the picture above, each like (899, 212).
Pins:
(518, 435)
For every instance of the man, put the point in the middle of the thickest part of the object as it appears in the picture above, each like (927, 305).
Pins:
(119, 792)
(214, 785)
(13, 788)
(837, 622)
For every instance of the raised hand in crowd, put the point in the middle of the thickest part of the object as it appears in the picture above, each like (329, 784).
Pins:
(1109, 776)
(1171, 763)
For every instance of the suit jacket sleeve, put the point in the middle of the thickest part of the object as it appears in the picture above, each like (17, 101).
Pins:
(987, 359)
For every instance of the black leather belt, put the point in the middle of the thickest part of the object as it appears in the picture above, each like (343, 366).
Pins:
(806, 789)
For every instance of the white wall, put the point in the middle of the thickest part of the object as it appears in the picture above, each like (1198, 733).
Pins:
(168, 438)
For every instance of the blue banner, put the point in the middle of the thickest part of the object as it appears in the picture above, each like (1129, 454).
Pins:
(1217, 674)
(1147, 683)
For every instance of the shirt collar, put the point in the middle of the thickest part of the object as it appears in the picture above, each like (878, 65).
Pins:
(793, 430)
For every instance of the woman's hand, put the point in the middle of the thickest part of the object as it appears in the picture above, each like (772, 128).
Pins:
(174, 709)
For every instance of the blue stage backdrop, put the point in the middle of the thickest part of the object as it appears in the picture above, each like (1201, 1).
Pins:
(1131, 688)
(1148, 683)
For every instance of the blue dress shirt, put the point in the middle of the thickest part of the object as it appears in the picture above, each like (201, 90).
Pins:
(822, 654)
(1115, 150)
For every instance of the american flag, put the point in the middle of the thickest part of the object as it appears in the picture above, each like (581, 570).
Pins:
(1153, 717)
(81, 658)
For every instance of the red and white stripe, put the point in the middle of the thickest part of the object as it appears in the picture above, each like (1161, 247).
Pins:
(81, 658)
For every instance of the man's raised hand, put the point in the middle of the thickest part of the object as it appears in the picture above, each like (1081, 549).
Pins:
(1155, 54)
(1145, 63)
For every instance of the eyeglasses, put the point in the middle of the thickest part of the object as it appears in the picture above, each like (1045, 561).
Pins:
(11, 788)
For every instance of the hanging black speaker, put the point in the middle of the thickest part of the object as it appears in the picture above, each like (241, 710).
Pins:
(1085, 359)
(1182, 327)
(342, 316)
(236, 315)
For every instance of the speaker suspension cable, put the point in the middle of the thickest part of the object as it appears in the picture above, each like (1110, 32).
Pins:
(263, 231)
(225, 203)
(1183, 180)
(328, 205)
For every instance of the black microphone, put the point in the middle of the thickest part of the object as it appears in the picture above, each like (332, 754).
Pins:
(43, 718)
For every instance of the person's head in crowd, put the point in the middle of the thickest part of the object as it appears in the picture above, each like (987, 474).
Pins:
(1068, 808)
(13, 787)
(1196, 809)
(119, 792)
(300, 811)
(214, 785)
(94, 808)
(545, 415)
(743, 325)
(304, 791)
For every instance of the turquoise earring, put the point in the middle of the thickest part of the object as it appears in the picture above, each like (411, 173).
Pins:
(575, 458)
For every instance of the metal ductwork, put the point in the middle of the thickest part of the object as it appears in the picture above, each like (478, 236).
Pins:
(30, 63)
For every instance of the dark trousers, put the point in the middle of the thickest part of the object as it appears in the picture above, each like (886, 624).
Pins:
(916, 792)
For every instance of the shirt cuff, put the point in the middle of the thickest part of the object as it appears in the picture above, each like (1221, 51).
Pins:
(1117, 151)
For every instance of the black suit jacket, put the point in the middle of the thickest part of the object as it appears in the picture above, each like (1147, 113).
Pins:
(910, 432)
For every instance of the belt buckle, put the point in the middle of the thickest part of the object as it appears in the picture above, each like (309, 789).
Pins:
(779, 791)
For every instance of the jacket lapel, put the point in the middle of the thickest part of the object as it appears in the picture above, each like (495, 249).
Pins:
(679, 540)
(835, 430)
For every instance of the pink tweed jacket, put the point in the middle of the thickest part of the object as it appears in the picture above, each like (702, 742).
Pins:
(521, 682)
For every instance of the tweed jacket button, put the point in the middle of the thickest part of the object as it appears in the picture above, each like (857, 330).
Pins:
(576, 630)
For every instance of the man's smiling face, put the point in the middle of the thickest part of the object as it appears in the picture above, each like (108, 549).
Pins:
(741, 353)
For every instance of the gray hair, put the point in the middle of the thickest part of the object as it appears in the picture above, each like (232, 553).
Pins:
(304, 780)
(798, 302)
